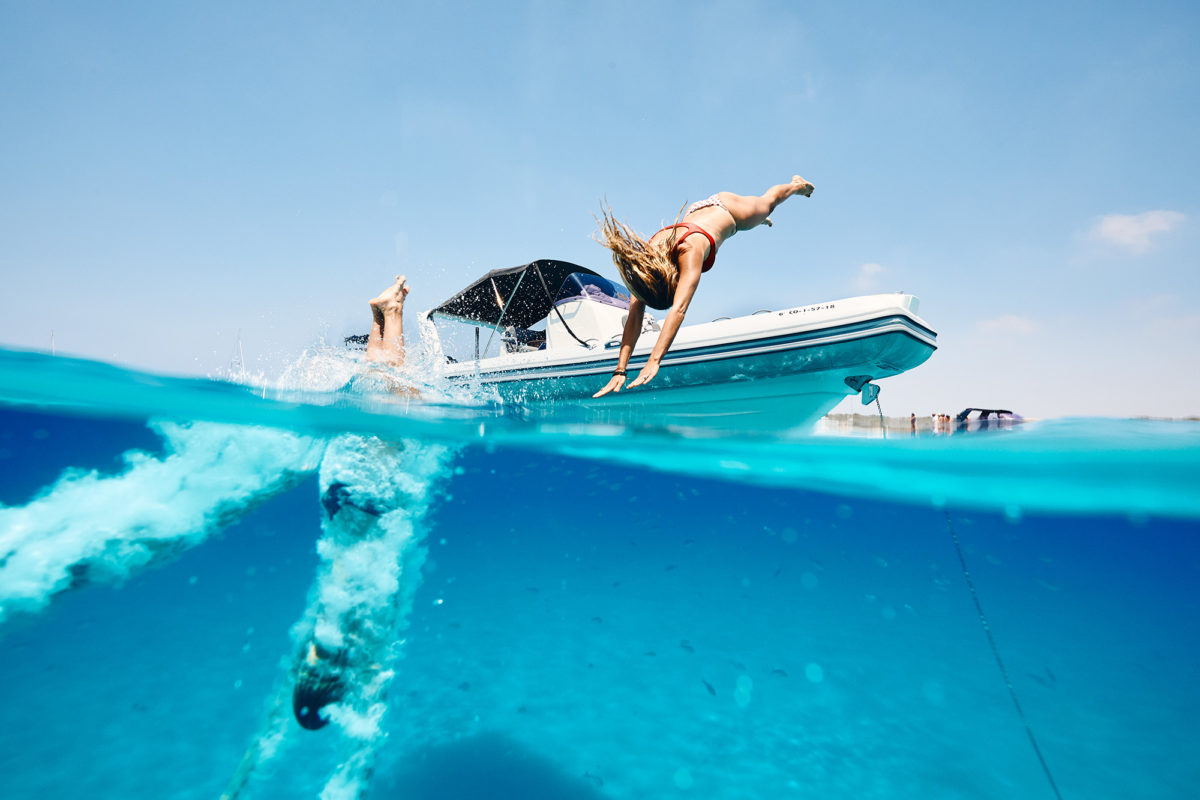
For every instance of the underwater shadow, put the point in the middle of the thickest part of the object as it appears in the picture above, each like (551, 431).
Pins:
(487, 766)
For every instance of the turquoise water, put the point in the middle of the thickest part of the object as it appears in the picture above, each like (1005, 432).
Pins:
(532, 605)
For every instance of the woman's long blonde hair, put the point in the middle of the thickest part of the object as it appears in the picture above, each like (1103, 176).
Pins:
(648, 270)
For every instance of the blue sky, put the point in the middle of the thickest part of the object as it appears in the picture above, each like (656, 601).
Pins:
(173, 174)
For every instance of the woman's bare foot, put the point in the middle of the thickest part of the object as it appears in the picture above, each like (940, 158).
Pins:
(802, 186)
(391, 298)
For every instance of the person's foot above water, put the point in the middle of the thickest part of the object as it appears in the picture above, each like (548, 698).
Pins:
(803, 187)
(392, 298)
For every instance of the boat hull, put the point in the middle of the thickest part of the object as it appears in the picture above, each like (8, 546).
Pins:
(752, 372)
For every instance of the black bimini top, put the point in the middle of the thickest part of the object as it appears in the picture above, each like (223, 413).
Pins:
(535, 285)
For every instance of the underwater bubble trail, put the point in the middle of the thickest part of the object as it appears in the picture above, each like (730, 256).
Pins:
(374, 495)
(987, 629)
(89, 528)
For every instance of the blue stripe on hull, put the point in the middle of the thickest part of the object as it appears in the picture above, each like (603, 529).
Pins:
(722, 375)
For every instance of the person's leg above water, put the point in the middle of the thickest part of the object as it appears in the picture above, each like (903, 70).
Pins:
(386, 343)
(749, 211)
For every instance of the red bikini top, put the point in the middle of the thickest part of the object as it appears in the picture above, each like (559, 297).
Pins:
(712, 250)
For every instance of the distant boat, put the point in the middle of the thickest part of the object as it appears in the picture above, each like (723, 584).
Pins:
(560, 325)
(985, 419)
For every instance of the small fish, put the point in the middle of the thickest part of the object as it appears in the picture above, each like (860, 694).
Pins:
(1047, 681)
(739, 666)
(669, 567)
(776, 575)
(709, 686)
(650, 653)
(596, 780)
(686, 645)
(689, 542)
(533, 589)
(464, 686)
(780, 672)
(597, 620)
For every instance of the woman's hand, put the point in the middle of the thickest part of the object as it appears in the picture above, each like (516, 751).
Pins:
(614, 385)
(646, 375)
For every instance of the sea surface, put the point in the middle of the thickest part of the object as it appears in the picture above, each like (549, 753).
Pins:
(531, 605)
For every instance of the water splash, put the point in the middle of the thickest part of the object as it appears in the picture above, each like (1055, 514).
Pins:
(89, 528)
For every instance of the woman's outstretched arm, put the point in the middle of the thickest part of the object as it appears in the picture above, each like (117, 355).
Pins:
(690, 267)
(633, 329)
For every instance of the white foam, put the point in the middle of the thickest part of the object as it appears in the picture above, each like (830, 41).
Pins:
(372, 550)
(104, 528)
(322, 369)
(332, 369)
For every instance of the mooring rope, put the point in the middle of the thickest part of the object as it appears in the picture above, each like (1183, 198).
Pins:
(987, 629)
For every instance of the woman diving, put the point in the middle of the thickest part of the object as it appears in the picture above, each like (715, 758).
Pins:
(663, 271)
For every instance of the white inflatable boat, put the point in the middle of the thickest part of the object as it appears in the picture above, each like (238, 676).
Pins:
(556, 329)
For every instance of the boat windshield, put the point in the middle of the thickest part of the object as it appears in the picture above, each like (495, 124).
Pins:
(580, 286)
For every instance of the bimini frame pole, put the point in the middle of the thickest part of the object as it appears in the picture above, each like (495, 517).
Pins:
(503, 311)
(550, 297)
